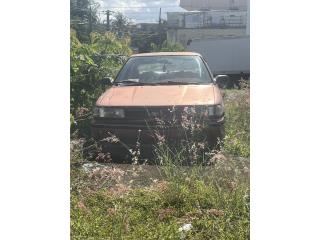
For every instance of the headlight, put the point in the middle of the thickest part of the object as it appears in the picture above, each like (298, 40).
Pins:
(96, 111)
(107, 112)
(209, 111)
(215, 110)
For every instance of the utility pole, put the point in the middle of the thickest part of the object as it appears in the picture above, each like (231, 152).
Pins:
(203, 19)
(108, 13)
(90, 20)
(108, 20)
(160, 27)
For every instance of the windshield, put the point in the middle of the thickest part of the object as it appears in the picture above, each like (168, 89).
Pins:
(164, 70)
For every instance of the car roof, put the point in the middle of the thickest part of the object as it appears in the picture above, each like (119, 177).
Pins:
(166, 54)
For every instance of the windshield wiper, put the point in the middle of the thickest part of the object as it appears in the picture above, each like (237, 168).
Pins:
(176, 83)
(132, 82)
(129, 82)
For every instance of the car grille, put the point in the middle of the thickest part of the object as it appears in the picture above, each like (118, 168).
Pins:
(151, 113)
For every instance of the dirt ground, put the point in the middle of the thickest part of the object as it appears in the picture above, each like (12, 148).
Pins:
(134, 176)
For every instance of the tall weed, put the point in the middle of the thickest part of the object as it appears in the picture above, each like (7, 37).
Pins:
(237, 126)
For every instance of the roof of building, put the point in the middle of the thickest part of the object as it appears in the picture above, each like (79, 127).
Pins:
(166, 54)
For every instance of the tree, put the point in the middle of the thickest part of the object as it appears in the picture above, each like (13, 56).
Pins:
(120, 23)
(143, 41)
(167, 47)
(83, 15)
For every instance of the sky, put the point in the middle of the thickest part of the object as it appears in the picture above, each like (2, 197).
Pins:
(141, 10)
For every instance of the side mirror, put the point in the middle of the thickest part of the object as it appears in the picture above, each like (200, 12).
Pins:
(223, 81)
(107, 81)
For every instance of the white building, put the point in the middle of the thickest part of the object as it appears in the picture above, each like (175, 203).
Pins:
(196, 25)
(192, 5)
(248, 18)
(208, 19)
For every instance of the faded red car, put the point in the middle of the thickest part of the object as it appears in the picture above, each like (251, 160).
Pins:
(151, 86)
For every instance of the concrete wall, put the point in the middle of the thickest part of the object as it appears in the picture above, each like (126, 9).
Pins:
(183, 35)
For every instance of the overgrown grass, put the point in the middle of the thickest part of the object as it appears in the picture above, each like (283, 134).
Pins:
(217, 208)
(213, 198)
(237, 107)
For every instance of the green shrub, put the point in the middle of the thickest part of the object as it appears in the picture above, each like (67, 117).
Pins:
(167, 47)
(102, 57)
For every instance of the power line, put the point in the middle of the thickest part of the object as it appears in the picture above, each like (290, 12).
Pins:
(160, 6)
(133, 12)
(139, 12)
(101, 24)
(171, 6)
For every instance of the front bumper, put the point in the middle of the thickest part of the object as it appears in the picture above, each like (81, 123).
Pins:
(128, 135)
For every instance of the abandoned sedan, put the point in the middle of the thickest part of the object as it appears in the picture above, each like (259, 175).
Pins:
(152, 91)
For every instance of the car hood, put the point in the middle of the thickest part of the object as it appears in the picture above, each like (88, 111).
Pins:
(171, 95)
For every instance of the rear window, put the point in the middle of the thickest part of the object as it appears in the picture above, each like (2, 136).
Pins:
(159, 69)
